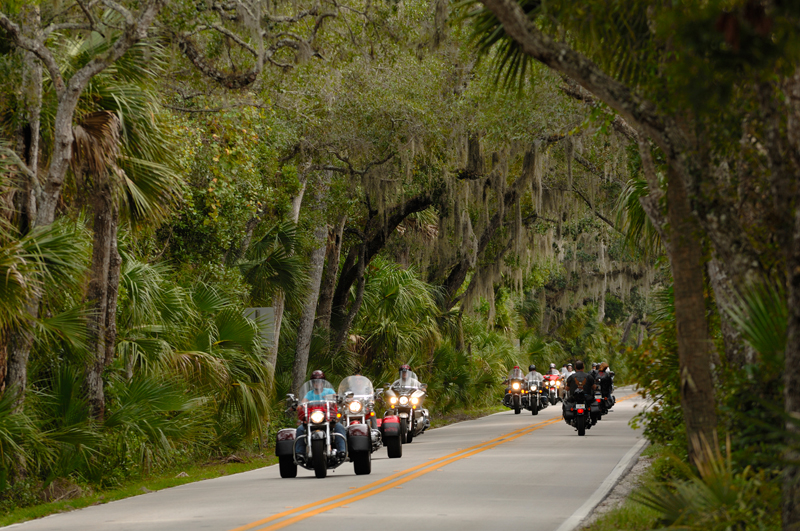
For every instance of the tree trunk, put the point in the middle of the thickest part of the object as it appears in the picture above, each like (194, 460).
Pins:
(279, 302)
(341, 336)
(686, 258)
(98, 292)
(737, 352)
(334, 250)
(306, 327)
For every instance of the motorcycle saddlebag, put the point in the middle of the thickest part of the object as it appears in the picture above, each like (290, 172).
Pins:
(569, 414)
(285, 443)
(595, 409)
(358, 438)
(390, 426)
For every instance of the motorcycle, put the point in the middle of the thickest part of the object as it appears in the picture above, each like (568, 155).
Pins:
(536, 398)
(314, 448)
(516, 390)
(577, 413)
(404, 400)
(553, 385)
(358, 408)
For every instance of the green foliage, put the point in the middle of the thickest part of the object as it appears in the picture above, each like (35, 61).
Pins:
(716, 497)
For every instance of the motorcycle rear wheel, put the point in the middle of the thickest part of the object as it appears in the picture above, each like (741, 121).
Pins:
(319, 459)
(362, 463)
(287, 466)
(394, 446)
(581, 422)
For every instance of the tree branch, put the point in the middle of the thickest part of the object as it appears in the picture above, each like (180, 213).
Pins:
(37, 48)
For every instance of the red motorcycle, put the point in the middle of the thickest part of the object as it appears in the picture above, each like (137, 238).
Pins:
(553, 385)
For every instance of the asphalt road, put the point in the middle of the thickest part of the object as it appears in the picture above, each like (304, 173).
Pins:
(502, 471)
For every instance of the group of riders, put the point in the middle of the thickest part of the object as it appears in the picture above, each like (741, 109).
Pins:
(571, 385)
(336, 426)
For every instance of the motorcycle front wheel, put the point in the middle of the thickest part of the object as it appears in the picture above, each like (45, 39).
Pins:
(581, 421)
(410, 434)
(403, 428)
(287, 466)
(362, 463)
(319, 460)
(535, 407)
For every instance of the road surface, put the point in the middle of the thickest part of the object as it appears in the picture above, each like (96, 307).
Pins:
(504, 471)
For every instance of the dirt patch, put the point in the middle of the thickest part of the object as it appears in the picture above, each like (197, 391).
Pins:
(60, 489)
(620, 492)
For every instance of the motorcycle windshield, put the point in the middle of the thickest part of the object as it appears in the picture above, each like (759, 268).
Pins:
(534, 377)
(407, 384)
(515, 374)
(317, 391)
(359, 385)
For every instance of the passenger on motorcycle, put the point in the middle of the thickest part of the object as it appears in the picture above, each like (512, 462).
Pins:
(318, 393)
(604, 380)
(570, 372)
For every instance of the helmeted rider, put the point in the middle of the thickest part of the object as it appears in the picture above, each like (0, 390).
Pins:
(320, 392)
(533, 375)
(553, 369)
(570, 371)
(406, 378)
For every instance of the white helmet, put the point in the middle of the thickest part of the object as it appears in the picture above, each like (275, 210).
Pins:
(552, 365)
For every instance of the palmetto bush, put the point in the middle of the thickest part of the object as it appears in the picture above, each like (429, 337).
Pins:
(716, 497)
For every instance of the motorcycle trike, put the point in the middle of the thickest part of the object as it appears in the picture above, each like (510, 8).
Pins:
(314, 444)
(357, 398)
(404, 400)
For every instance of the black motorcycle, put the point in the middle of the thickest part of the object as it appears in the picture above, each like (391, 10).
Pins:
(577, 412)
(537, 396)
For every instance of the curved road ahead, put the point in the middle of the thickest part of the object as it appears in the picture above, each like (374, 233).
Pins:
(501, 471)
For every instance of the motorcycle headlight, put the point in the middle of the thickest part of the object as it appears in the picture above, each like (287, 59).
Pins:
(403, 400)
(317, 417)
(393, 400)
(414, 400)
(533, 387)
(354, 406)
(515, 386)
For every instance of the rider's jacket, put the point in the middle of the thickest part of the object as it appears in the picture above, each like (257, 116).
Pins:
(572, 383)
(604, 382)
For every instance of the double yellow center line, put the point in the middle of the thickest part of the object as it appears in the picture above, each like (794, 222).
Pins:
(312, 509)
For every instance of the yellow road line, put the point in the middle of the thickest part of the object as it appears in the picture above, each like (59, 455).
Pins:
(392, 481)
(371, 485)
(427, 469)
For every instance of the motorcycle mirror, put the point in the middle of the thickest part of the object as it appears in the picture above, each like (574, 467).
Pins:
(290, 396)
(423, 386)
(349, 394)
(378, 391)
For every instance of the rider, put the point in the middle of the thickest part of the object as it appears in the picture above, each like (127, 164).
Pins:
(406, 379)
(553, 369)
(604, 380)
(318, 393)
(576, 379)
(570, 372)
(533, 375)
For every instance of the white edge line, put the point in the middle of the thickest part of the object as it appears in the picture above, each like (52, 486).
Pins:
(625, 464)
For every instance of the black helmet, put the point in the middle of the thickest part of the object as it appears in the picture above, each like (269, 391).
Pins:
(317, 375)
(531, 367)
